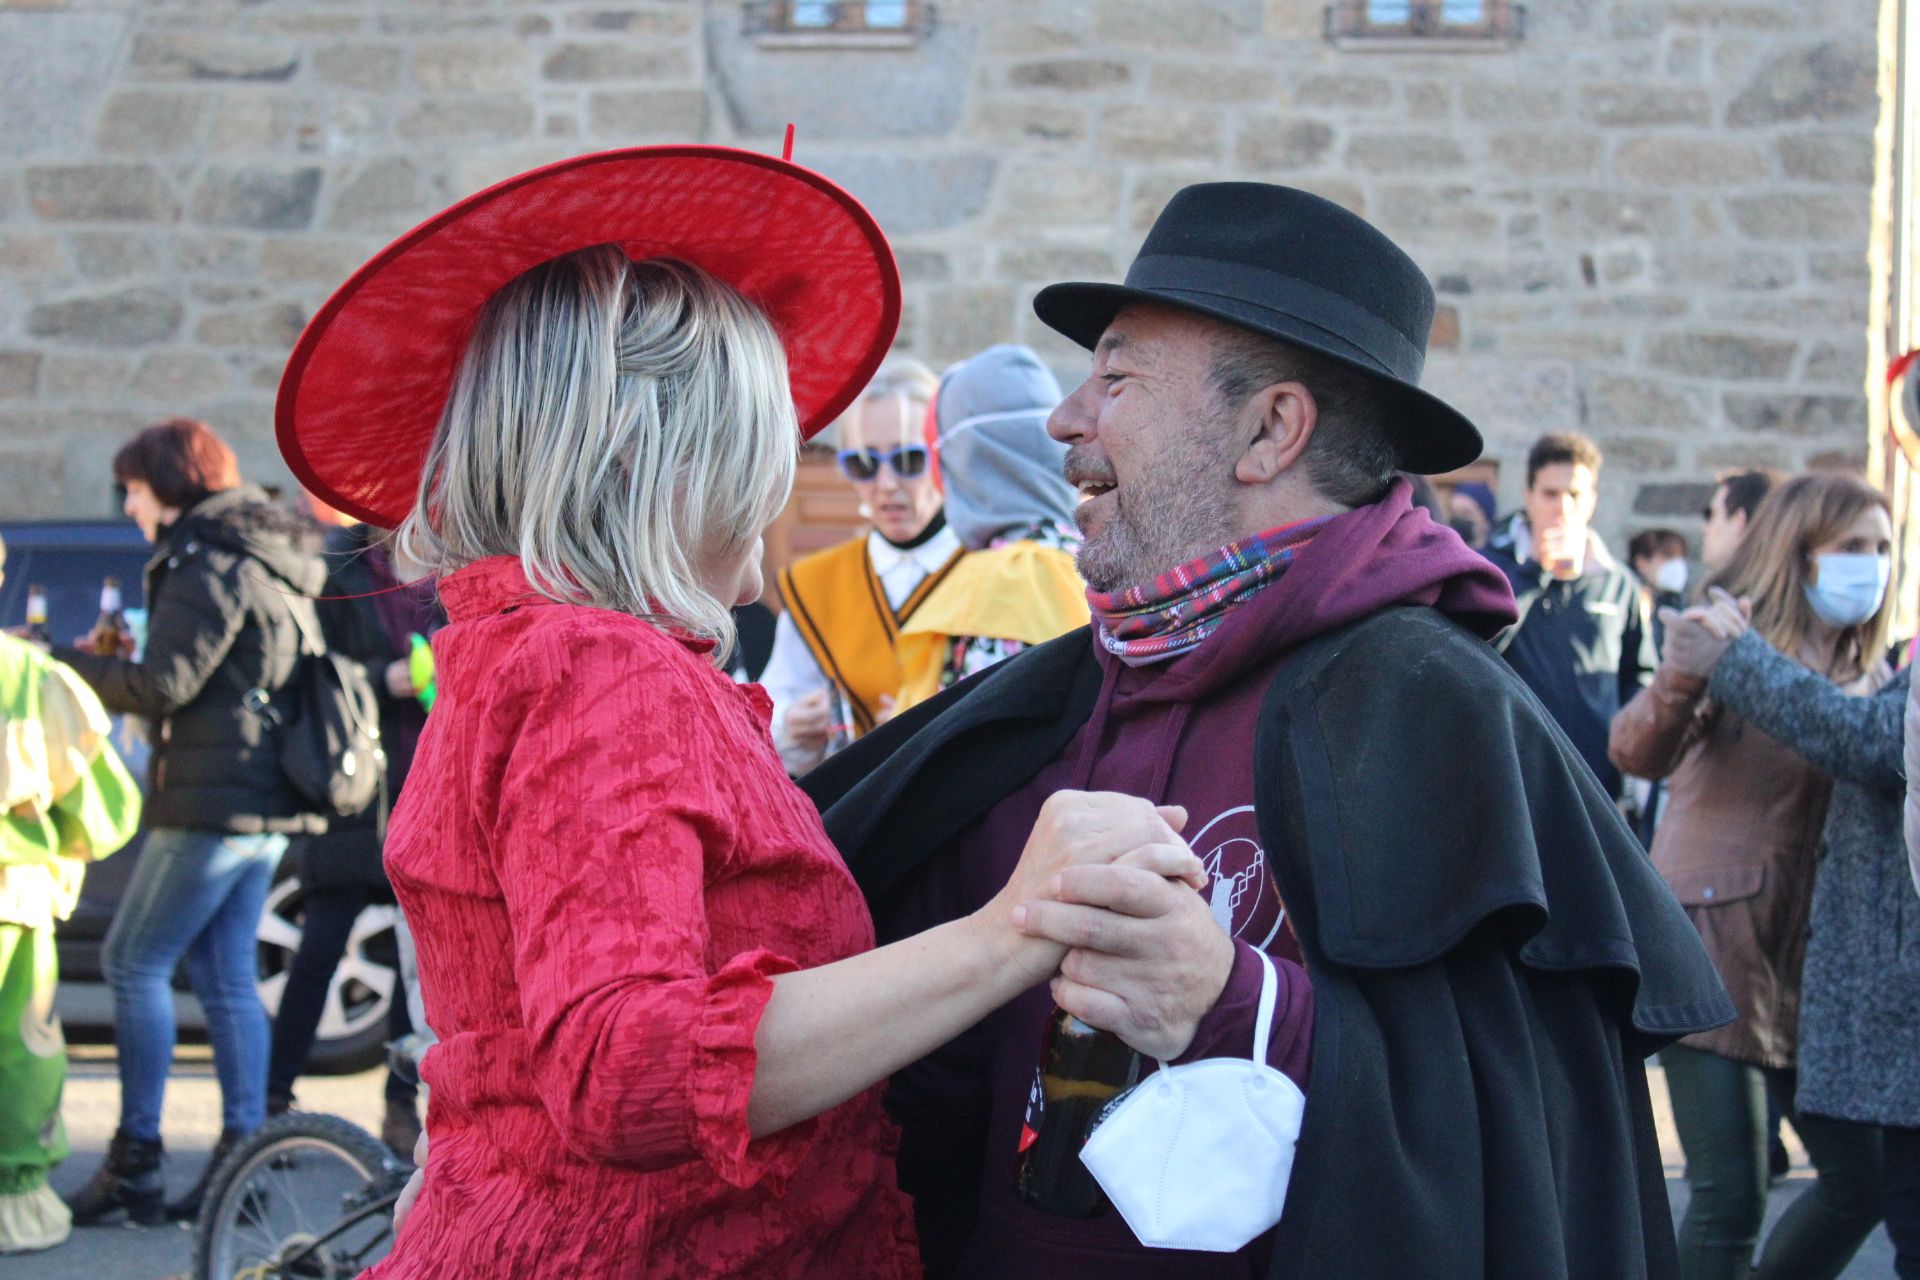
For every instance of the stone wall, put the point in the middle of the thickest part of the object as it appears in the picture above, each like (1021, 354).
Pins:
(1647, 219)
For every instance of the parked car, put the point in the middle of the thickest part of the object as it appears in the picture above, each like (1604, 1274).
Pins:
(69, 559)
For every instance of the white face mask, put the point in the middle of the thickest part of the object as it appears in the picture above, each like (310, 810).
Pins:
(1848, 589)
(1671, 577)
(1199, 1156)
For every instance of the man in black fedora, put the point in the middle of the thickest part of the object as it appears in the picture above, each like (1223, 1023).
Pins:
(1473, 956)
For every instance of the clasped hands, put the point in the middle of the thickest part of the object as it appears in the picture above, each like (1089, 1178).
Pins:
(1698, 638)
(1105, 905)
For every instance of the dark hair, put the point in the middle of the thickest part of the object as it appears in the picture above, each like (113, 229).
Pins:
(181, 460)
(1562, 446)
(1745, 490)
(1649, 543)
(1351, 459)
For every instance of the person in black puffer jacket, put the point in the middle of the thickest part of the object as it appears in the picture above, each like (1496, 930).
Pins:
(229, 569)
(370, 616)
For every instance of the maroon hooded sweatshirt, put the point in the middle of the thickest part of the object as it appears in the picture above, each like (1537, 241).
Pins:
(1177, 732)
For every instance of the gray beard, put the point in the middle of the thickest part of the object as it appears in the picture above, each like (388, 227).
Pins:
(1160, 521)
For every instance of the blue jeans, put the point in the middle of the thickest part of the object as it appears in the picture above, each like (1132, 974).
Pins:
(196, 894)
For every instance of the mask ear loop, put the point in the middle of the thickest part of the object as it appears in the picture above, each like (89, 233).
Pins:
(1269, 997)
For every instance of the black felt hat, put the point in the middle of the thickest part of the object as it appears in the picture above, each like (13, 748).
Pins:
(1298, 268)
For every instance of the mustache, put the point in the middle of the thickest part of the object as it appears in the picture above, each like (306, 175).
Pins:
(1083, 466)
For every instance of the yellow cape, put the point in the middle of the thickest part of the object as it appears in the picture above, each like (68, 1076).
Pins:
(1024, 591)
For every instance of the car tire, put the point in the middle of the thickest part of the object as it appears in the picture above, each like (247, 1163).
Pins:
(352, 1035)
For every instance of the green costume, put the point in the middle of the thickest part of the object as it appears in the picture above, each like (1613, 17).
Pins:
(65, 800)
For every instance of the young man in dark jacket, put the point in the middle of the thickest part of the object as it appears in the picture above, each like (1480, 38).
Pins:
(1584, 642)
(1474, 956)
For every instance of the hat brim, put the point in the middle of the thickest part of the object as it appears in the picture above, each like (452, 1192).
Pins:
(1430, 436)
(365, 387)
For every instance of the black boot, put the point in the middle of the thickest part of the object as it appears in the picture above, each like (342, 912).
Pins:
(130, 1179)
(187, 1207)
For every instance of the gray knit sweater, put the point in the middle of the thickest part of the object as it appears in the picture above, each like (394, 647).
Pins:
(1860, 989)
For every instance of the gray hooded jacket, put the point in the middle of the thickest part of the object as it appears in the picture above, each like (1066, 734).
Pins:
(1000, 468)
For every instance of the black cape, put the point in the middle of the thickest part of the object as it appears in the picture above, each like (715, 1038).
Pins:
(1492, 956)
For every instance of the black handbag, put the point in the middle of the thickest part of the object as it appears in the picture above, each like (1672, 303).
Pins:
(327, 722)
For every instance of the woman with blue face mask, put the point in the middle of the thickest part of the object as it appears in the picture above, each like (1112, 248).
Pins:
(1744, 717)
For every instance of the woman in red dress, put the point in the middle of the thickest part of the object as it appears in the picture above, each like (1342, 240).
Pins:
(662, 1019)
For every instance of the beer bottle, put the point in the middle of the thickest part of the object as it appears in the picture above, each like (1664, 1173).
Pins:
(110, 632)
(1081, 1070)
(37, 615)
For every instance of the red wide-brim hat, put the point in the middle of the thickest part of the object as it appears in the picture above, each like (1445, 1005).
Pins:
(368, 380)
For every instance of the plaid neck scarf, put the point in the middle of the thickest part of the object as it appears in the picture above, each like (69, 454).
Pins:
(1181, 608)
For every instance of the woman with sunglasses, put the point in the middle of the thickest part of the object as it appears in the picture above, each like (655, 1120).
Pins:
(660, 1010)
(835, 670)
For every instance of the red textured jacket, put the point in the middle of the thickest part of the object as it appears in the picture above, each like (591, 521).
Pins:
(604, 865)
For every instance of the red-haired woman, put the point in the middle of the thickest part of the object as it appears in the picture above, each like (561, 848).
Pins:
(227, 566)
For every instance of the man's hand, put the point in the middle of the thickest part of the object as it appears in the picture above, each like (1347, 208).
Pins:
(1697, 639)
(1146, 960)
(809, 720)
(399, 679)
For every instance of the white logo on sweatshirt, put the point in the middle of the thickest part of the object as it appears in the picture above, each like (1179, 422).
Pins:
(1239, 889)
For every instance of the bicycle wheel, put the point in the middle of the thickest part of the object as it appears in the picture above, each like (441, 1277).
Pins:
(305, 1197)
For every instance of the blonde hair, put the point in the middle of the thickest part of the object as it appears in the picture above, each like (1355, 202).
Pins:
(612, 424)
(1774, 563)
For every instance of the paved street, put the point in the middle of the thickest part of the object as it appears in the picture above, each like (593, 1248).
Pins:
(193, 1122)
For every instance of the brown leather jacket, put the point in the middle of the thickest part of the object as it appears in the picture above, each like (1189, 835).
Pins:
(1737, 846)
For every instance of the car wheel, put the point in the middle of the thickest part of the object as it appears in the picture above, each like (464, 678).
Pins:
(352, 1035)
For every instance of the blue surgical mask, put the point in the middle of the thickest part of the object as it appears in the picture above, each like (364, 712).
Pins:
(1849, 589)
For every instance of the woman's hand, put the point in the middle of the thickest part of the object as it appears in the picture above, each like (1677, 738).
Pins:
(1697, 639)
(411, 1192)
(399, 679)
(1083, 828)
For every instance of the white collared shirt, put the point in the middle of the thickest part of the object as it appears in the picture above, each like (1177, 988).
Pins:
(791, 671)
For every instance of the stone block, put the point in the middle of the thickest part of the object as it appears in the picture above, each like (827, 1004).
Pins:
(1620, 400)
(1397, 153)
(257, 199)
(918, 191)
(213, 254)
(1506, 274)
(1517, 400)
(923, 266)
(174, 377)
(1586, 344)
(476, 118)
(19, 374)
(1688, 162)
(1018, 123)
(1448, 215)
(55, 68)
(1797, 216)
(1638, 454)
(1642, 106)
(1842, 362)
(26, 253)
(101, 193)
(1444, 335)
(1533, 154)
(362, 67)
(1427, 100)
(1843, 159)
(1047, 265)
(33, 483)
(380, 197)
(472, 66)
(1716, 457)
(1070, 75)
(964, 319)
(1512, 104)
(1155, 134)
(1279, 143)
(1852, 461)
(147, 122)
(860, 95)
(1036, 197)
(74, 376)
(1727, 357)
(1763, 270)
(1822, 416)
(1833, 80)
(1681, 499)
(588, 63)
(306, 260)
(1209, 26)
(1294, 20)
(136, 317)
(1822, 313)
(1632, 308)
(207, 56)
(1849, 268)
(1342, 92)
(677, 115)
(248, 120)
(1605, 215)
(1730, 17)
(653, 22)
(1213, 83)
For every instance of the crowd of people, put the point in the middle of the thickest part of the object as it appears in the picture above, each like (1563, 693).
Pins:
(1178, 708)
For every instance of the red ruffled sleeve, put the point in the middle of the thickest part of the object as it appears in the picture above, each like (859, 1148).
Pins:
(723, 1065)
